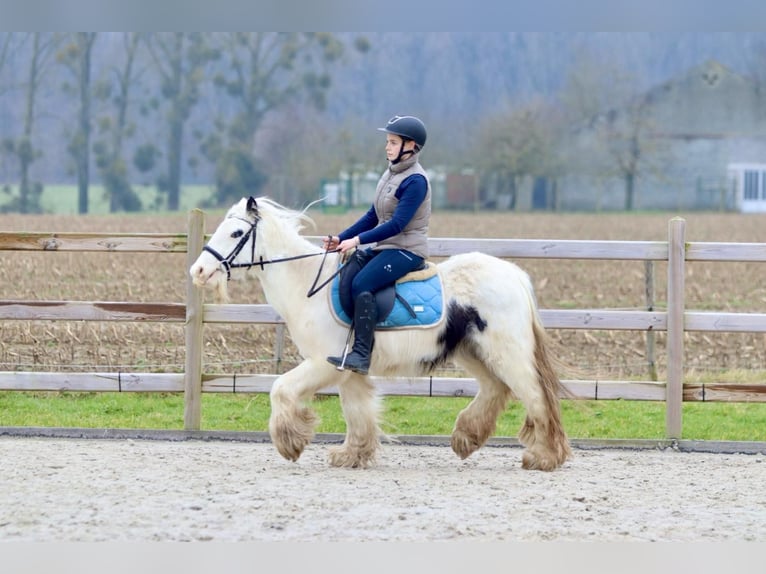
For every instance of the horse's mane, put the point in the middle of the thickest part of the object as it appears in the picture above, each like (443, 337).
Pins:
(295, 220)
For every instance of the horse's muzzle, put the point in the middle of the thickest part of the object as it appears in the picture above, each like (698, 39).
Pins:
(202, 276)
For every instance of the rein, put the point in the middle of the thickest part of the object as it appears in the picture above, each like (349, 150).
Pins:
(228, 262)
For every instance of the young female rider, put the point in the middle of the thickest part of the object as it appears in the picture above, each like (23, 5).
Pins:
(397, 225)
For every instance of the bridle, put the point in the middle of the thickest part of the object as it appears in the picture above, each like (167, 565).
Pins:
(228, 262)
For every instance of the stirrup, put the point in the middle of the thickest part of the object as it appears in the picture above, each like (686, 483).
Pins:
(341, 366)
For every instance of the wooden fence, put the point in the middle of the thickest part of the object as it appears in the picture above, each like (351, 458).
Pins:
(195, 314)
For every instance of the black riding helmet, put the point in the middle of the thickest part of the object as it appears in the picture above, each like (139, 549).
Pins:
(409, 128)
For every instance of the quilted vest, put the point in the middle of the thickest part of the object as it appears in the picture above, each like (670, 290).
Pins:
(414, 237)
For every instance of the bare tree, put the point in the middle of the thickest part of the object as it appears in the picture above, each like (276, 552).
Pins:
(265, 72)
(756, 67)
(76, 55)
(608, 109)
(514, 144)
(181, 59)
(627, 138)
(8, 40)
(22, 148)
(115, 127)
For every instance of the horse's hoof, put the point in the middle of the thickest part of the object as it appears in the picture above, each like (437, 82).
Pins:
(532, 461)
(463, 444)
(291, 454)
(344, 456)
(291, 436)
(287, 445)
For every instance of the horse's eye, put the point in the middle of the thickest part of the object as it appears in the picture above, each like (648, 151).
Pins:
(237, 233)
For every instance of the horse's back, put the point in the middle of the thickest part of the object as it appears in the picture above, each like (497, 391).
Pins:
(470, 271)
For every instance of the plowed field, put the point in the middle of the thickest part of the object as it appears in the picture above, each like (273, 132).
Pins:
(94, 346)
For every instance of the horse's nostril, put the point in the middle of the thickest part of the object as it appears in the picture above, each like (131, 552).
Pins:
(197, 272)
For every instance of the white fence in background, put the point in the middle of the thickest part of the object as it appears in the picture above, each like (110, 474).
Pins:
(195, 314)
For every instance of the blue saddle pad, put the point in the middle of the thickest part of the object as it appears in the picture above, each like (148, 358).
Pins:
(424, 297)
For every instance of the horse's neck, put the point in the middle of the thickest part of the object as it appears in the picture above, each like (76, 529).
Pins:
(286, 284)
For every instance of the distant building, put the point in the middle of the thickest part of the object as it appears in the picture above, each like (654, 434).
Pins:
(747, 183)
(704, 148)
(358, 189)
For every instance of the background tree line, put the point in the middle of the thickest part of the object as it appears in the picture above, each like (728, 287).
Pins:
(278, 112)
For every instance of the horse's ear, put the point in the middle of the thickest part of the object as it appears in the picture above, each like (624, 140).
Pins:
(252, 207)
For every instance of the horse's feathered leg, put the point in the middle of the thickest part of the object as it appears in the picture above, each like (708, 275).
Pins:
(477, 422)
(361, 410)
(499, 361)
(292, 423)
(531, 377)
(550, 444)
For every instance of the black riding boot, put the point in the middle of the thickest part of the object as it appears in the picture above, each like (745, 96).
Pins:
(365, 318)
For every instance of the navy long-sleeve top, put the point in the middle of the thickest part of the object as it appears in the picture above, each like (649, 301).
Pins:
(411, 193)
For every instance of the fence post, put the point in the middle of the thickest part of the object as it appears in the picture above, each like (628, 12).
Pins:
(650, 334)
(675, 334)
(193, 330)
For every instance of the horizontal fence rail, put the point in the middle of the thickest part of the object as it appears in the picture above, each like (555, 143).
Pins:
(390, 386)
(386, 386)
(675, 320)
(125, 242)
(593, 319)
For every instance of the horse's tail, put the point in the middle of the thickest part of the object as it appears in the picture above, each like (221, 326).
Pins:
(546, 366)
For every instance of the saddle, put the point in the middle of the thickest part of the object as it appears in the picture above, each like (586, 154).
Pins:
(414, 300)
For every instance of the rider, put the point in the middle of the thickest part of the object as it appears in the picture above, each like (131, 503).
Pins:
(397, 223)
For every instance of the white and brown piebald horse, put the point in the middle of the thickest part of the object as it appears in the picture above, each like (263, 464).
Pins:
(491, 328)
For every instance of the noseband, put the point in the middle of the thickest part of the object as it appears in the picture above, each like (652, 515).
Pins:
(228, 262)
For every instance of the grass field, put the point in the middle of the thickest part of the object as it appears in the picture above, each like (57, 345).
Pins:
(93, 346)
(63, 199)
(401, 415)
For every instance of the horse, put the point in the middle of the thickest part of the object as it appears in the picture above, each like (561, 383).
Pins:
(491, 328)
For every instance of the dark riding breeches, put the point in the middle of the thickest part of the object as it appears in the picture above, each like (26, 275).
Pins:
(382, 269)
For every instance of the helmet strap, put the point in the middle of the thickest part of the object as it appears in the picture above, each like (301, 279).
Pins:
(402, 152)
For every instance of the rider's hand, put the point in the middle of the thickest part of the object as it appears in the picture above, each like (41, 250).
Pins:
(330, 242)
(347, 244)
